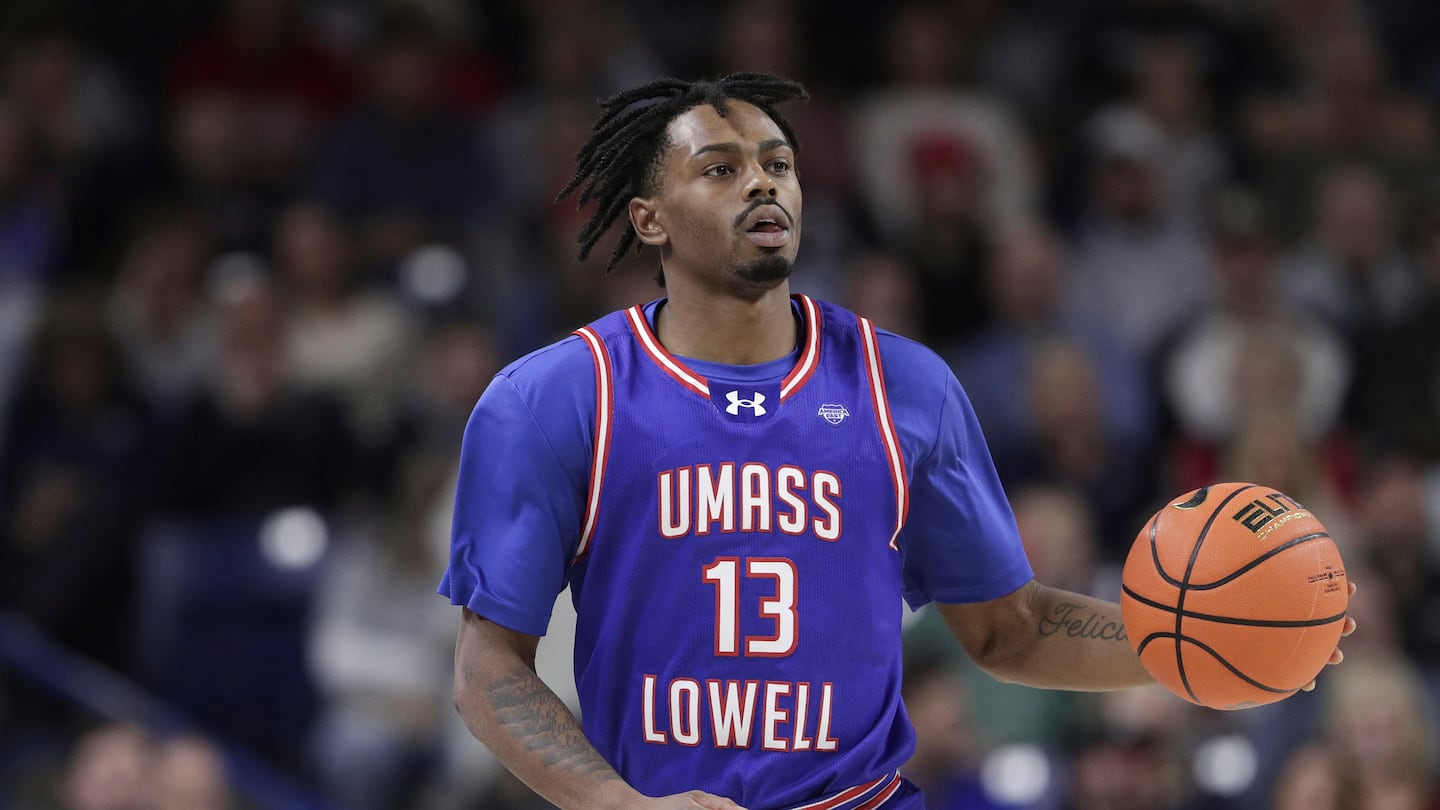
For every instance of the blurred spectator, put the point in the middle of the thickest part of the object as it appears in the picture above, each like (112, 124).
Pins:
(188, 773)
(1170, 90)
(160, 310)
(1394, 540)
(527, 244)
(1337, 103)
(1024, 285)
(1314, 778)
(381, 648)
(884, 288)
(31, 207)
(922, 105)
(937, 166)
(1135, 266)
(76, 477)
(1057, 527)
(1133, 757)
(1380, 722)
(210, 170)
(1071, 445)
(81, 112)
(1352, 272)
(86, 122)
(109, 769)
(1398, 394)
(401, 168)
(262, 57)
(946, 763)
(342, 335)
(1244, 357)
(1123, 772)
(255, 442)
(29, 244)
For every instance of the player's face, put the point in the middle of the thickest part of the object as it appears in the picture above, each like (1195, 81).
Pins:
(729, 204)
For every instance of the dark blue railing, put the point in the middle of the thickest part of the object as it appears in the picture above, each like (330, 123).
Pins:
(28, 653)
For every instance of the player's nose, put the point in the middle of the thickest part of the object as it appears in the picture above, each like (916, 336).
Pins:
(760, 183)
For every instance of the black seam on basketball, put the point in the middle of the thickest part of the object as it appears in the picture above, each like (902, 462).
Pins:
(1190, 614)
(1155, 551)
(1145, 642)
(1262, 558)
(1218, 657)
(1185, 586)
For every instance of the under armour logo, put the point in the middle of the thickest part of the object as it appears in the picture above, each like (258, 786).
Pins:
(834, 414)
(755, 404)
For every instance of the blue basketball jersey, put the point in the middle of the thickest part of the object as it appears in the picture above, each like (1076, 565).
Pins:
(738, 578)
(736, 541)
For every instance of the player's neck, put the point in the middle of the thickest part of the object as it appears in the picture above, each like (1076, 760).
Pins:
(728, 330)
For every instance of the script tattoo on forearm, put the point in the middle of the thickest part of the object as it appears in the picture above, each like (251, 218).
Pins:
(1074, 621)
(541, 722)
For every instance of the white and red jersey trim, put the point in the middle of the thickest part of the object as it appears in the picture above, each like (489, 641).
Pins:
(604, 414)
(809, 356)
(861, 797)
(888, 434)
(803, 370)
(664, 359)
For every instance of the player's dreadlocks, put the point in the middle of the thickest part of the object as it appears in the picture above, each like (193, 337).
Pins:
(621, 159)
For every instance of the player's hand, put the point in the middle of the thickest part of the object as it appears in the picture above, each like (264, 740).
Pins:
(693, 800)
(1337, 656)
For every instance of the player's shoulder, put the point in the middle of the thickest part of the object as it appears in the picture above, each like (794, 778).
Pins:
(907, 363)
(909, 358)
(563, 365)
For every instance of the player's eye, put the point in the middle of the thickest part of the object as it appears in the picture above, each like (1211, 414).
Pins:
(780, 166)
(718, 170)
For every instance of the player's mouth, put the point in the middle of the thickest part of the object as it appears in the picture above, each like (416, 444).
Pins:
(768, 226)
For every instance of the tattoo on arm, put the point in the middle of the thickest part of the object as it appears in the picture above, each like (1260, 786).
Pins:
(542, 723)
(1075, 621)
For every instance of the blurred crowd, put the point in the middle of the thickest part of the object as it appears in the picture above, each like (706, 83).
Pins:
(261, 256)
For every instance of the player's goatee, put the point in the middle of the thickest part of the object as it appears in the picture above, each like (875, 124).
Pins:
(766, 269)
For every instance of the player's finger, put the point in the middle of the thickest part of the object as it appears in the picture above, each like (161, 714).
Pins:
(1309, 687)
(1349, 626)
(712, 802)
(1352, 588)
(1336, 657)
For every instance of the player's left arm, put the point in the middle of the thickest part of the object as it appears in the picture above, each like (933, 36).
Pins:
(1046, 637)
(1055, 639)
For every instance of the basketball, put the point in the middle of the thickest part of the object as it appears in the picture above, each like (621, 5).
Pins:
(1234, 596)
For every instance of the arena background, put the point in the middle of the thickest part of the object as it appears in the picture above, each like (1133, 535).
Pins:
(258, 259)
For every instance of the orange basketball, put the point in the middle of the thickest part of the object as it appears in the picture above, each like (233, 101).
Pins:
(1234, 596)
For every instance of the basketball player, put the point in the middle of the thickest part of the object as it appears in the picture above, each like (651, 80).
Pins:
(739, 485)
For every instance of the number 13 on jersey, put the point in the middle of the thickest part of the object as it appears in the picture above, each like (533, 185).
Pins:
(725, 574)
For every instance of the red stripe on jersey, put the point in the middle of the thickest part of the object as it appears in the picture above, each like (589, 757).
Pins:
(664, 359)
(604, 410)
(883, 796)
(851, 794)
(809, 358)
(881, 402)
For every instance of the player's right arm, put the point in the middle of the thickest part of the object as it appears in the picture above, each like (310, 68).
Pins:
(524, 471)
(531, 731)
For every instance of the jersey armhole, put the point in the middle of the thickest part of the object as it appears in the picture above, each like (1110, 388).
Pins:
(604, 418)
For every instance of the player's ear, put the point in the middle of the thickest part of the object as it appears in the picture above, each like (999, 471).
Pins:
(646, 220)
